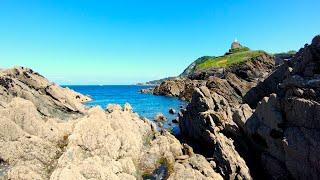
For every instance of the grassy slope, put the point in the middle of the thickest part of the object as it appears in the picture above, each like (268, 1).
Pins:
(227, 60)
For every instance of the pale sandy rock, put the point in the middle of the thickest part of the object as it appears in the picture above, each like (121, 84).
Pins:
(127, 107)
(49, 98)
(46, 133)
(197, 167)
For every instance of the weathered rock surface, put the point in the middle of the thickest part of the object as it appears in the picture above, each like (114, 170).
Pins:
(205, 120)
(232, 82)
(49, 98)
(89, 144)
(181, 87)
(285, 127)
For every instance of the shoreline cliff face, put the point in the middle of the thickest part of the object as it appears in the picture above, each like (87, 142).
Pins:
(285, 125)
(46, 133)
(279, 139)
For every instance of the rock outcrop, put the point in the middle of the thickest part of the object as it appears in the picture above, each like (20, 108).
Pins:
(285, 127)
(46, 133)
(276, 134)
(232, 82)
(181, 87)
(49, 98)
(207, 120)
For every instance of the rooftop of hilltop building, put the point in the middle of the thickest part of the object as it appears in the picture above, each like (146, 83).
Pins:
(236, 47)
(235, 44)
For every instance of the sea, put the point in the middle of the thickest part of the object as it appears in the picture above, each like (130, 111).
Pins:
(146, 105)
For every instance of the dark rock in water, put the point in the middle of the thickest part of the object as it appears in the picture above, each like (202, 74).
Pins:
(172, 111)
(176, 120)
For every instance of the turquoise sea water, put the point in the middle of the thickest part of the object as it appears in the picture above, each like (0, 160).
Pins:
(146, 105)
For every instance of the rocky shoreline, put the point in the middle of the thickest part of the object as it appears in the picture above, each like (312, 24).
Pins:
(252, 120)
(47, 133)
(255, 119)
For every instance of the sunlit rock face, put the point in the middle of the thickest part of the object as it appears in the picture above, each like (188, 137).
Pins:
(46, 133)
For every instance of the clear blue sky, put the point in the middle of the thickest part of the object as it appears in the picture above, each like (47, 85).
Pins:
(129, 41)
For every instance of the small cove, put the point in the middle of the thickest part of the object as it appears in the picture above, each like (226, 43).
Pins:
(146, 105)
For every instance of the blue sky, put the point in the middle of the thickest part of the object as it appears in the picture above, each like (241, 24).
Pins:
(129, 41)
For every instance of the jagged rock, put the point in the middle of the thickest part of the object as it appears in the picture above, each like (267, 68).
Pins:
(50, 99)
(196, 167)
(95, 144)
(232, 82)
(204, 120)
(285, 125)
(181, 88)
(242, 113)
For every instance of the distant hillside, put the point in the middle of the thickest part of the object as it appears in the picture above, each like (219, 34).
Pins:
(192, 67)
(157, 82)
(227, 60)
(236, 54)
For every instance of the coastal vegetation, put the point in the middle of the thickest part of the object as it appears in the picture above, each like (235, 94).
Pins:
(227, 60)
